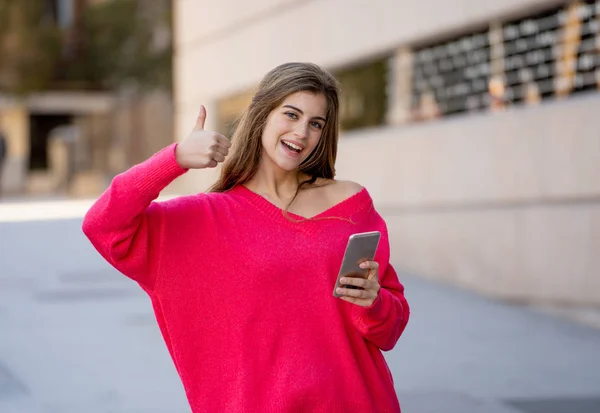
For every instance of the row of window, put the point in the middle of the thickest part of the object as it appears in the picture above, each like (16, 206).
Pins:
(549, 55)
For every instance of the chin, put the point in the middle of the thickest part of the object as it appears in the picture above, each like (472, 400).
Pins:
(288, 166)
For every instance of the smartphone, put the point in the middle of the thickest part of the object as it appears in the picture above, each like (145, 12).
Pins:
(361, 247)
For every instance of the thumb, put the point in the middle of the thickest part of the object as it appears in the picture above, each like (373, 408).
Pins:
(201, 118)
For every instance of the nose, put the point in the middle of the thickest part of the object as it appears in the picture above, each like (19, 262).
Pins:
(301, 130)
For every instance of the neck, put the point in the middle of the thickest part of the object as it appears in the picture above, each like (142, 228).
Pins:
(273, 182)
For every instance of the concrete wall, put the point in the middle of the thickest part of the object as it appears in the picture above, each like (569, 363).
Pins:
(504, 203)
(226, 46)
(14, 121)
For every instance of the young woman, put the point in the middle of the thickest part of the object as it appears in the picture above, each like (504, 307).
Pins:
(241, 277)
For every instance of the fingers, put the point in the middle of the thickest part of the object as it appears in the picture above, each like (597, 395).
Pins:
(355, 281)
(366, 294)
(219, 146)
(223, 141)
(218, 157)
(363, 298)
(368, 288)
(219, 153)
(221, 150)
(201, 118)
(371, 265)
(358, 301)
(373, 268)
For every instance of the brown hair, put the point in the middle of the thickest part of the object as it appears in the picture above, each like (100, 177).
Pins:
(279, 83)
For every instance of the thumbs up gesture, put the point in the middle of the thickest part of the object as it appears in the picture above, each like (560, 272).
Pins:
(202, 149)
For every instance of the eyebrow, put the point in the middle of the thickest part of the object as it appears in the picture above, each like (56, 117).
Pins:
(302, 113)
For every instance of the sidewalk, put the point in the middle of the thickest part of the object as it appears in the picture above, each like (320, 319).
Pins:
(478, 355)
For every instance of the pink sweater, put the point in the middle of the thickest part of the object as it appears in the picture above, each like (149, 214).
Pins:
(243, 296)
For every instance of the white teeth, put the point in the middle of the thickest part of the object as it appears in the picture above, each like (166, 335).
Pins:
(291, 145)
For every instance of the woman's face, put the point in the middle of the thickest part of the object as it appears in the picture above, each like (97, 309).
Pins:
(294, 129)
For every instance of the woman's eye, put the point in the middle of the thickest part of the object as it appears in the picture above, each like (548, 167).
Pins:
(291, 115)
(316, 125)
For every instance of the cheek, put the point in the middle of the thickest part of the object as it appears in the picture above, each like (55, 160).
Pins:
(268, 136)
(272, 131)
(314, 141)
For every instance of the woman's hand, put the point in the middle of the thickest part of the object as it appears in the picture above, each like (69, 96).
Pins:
(366, 296)
(202, 149)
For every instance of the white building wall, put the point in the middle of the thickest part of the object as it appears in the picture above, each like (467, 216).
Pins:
(504, 203)
(225, 46)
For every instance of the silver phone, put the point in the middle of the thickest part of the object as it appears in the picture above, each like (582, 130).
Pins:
(361, 247)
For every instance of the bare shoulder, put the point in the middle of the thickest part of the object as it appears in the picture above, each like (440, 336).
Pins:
(337, 190)
(347, 188)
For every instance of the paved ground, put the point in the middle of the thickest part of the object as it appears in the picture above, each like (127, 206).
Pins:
(75, 336)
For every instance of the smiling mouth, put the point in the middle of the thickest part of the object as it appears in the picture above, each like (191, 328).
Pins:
(292, 147)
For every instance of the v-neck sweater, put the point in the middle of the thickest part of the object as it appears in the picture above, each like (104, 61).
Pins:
(243, 294)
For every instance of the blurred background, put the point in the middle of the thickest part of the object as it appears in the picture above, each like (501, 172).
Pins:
(471, 123)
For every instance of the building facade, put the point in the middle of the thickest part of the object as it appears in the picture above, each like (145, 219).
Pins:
(471, 123)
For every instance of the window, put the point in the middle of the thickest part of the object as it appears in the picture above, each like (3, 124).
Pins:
(229, 110)
(549, 55)
(363, 100)
(451, 77)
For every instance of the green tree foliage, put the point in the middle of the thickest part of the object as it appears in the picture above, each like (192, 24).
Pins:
(127, 42)
(29, 46)
(119, 43)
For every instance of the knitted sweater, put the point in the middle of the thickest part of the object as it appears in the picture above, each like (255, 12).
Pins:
(243, 295)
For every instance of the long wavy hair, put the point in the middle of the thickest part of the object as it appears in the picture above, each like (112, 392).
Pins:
(246, 149)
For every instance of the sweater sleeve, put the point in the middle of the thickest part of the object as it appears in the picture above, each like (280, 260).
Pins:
(125, 226)
(384, 321)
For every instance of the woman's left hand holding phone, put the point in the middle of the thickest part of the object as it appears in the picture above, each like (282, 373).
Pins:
(369, 287)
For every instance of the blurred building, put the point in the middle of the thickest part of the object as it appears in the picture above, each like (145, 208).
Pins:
(68, 133)
(472, 124)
